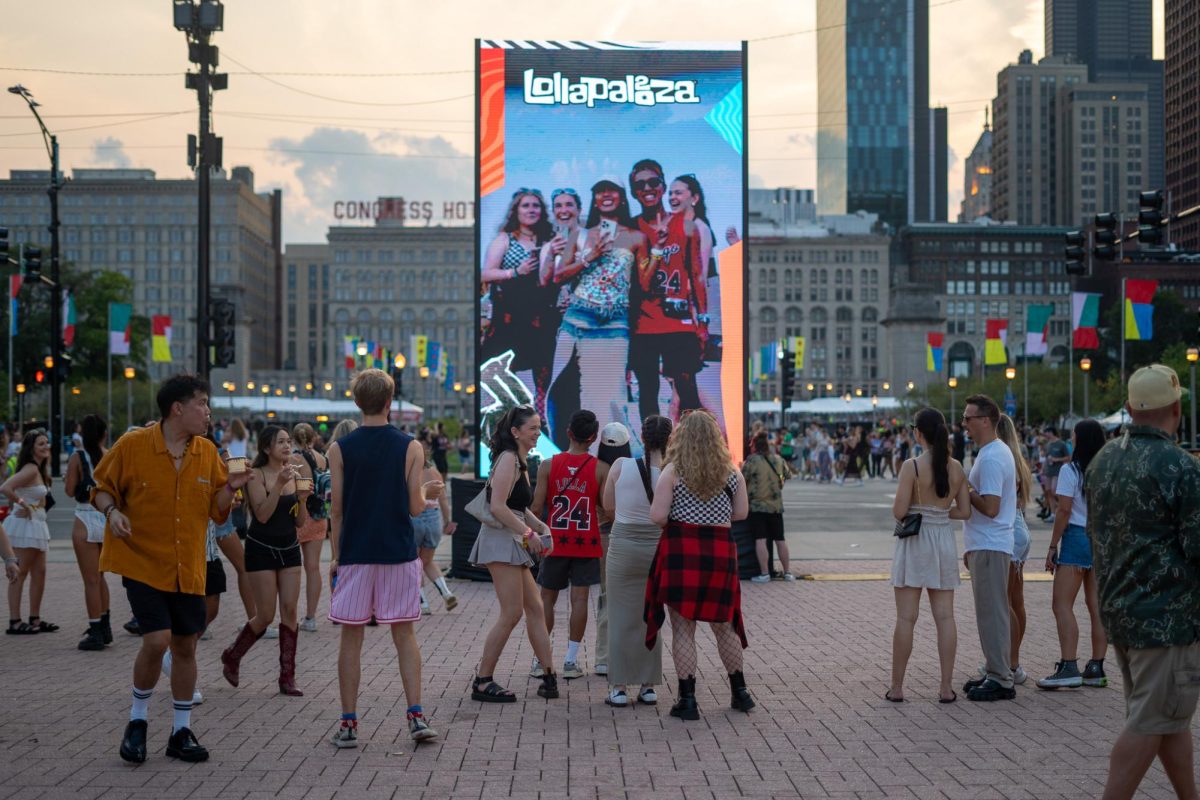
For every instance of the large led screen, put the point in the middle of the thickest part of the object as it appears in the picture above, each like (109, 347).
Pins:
(611, 216)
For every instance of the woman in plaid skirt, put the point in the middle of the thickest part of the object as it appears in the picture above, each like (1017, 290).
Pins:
(694, 574)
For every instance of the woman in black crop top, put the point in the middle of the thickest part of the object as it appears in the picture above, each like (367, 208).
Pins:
(506, 552)
(276, 510)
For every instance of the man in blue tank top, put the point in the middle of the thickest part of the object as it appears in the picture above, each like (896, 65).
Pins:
(375, 472)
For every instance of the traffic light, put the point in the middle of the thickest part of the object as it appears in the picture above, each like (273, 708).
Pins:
(39, 377)
(3, 244)
(223, 338)
(1075, 253)
(31, 264)
(787, 373)
(1152, 219)
(1105, 247)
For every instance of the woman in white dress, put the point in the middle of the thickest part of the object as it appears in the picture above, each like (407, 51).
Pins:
(933, 485)
(27, 531)
(87, 534)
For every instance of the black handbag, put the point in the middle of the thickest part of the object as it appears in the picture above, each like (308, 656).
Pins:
(910, 523)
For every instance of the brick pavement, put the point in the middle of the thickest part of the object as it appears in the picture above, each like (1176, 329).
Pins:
(817, 665)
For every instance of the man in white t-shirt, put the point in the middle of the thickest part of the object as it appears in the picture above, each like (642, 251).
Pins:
(988, 545)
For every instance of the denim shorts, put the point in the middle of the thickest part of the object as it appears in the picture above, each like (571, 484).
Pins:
(1020, 553)
(427, 528)
(1075, 550)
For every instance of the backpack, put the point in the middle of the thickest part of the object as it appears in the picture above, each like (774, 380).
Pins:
(83, 489)
(319, 501)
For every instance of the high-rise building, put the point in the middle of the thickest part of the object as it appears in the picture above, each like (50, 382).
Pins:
(1104, 163)
(1114, 38)
(977, 178)
(129, 221)
(1182, 125)
(878, 145)
(1025, 140)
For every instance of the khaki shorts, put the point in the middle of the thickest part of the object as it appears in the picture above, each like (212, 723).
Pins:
(1162, 685)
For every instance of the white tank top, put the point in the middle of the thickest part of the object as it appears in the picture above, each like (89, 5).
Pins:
(630, 493)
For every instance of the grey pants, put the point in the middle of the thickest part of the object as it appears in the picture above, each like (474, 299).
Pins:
(989, 586)
(602, 603)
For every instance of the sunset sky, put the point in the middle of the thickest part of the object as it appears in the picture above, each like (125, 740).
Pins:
(397, 119)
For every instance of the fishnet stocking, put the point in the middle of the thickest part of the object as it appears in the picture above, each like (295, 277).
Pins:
(683, 645)
(729, 646)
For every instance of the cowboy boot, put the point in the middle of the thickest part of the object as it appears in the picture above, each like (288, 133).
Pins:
(685, 707)
(287, 661)
(742, 701)
(232, 657)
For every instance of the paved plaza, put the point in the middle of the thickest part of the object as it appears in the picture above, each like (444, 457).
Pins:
(818, 665)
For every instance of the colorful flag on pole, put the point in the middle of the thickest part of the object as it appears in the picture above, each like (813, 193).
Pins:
(1037, 328)
(996, 340)
(119, 316)
(68, 319)
(934, 350)
(348, 345)
(756, 366)
(418, 346)
(14, 290)
(448, 377)
(1139, 309)
(433, 355)
(1085, 319)
(798, 349)
(160, 332)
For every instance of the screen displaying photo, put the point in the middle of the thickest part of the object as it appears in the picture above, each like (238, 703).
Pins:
(611, 217)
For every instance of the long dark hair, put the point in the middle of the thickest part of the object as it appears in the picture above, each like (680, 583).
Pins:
(1089, 438)
(93, 428)
(542, 230)
(623, 216)
(656, 432)
(266, 440)
(932, 426)
(698, 207)
(25, 456)
(502, 438)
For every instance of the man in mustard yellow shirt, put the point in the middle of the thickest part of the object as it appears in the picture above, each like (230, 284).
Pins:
(158, 487)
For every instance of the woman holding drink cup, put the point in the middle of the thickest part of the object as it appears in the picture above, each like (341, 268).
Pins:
(276, 497)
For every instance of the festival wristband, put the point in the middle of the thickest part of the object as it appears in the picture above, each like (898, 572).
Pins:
(109, 510)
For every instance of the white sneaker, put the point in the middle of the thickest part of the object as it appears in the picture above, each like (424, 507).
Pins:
(617, 698)
(309, 624)
(789, 577)
(425, 609)
(601, 669)
(536, 670)
(761, 579)
(1019, 674)
(272, 632)
(197, 698)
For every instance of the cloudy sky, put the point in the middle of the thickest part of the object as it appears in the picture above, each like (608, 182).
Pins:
(390, 109)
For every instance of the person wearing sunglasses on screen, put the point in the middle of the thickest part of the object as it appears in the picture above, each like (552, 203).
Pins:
(524, 318)
(671, 322)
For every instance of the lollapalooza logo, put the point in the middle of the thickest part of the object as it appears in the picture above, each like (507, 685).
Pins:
(640, 90)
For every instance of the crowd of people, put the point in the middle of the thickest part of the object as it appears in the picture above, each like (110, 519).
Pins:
(165, 502)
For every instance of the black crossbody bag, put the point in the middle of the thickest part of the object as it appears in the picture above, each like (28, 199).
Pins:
(910, 523)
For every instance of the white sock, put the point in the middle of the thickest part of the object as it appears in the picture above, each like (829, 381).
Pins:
(95, 621)
(440, 583)
(141, 703)
(166, 665)
(572, 651)
(183, 714)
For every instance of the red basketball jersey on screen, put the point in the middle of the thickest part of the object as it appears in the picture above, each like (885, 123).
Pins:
(672, 280)
(571, 506)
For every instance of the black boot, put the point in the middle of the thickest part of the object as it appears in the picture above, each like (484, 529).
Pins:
(94, 638)
(106, 626)
(549, 687)
(685, 707)
(742, 701)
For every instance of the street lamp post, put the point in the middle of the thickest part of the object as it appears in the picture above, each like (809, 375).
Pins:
(130, 374)
(1193, 355)
(20, 407)
(56, 421)
(953, 384)
(1085, 364)
(266, 392)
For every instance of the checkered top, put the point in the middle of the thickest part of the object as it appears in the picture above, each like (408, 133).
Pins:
(716, 510)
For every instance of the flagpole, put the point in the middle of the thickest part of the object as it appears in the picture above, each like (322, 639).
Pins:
(1071, 360)
(1123, 338)
(109, 418)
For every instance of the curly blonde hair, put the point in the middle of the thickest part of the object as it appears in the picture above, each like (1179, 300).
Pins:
(700, 454)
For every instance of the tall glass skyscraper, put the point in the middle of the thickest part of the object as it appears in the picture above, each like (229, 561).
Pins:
(880, 148)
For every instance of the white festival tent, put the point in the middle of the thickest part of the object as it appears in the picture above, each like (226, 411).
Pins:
(306, 407)
(829, 406)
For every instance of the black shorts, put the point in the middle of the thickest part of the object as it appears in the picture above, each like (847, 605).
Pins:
(555, 572)
(156, 610)
(214, 581)
(766, 525)
(680, 353)
(262, 557)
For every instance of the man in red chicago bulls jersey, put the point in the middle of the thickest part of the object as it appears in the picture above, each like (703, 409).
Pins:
(568, 497)
(670, 323)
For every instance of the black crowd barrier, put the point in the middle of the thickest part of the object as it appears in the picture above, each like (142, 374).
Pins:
(463, 491)
(747, 558)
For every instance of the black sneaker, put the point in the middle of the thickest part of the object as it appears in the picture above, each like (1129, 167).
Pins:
(133, 743)
(974, 683)
(989, 691)
(1066, 676)
(133, 627)
(1093, 675)
(183, 745)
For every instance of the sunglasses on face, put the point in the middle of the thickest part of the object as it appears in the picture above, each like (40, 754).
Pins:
(535, 192)
(647, 183)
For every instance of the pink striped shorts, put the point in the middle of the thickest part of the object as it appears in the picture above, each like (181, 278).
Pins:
(389, 592)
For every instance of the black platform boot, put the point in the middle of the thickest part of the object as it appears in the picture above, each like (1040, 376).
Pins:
(741, 701)
(685, 707)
